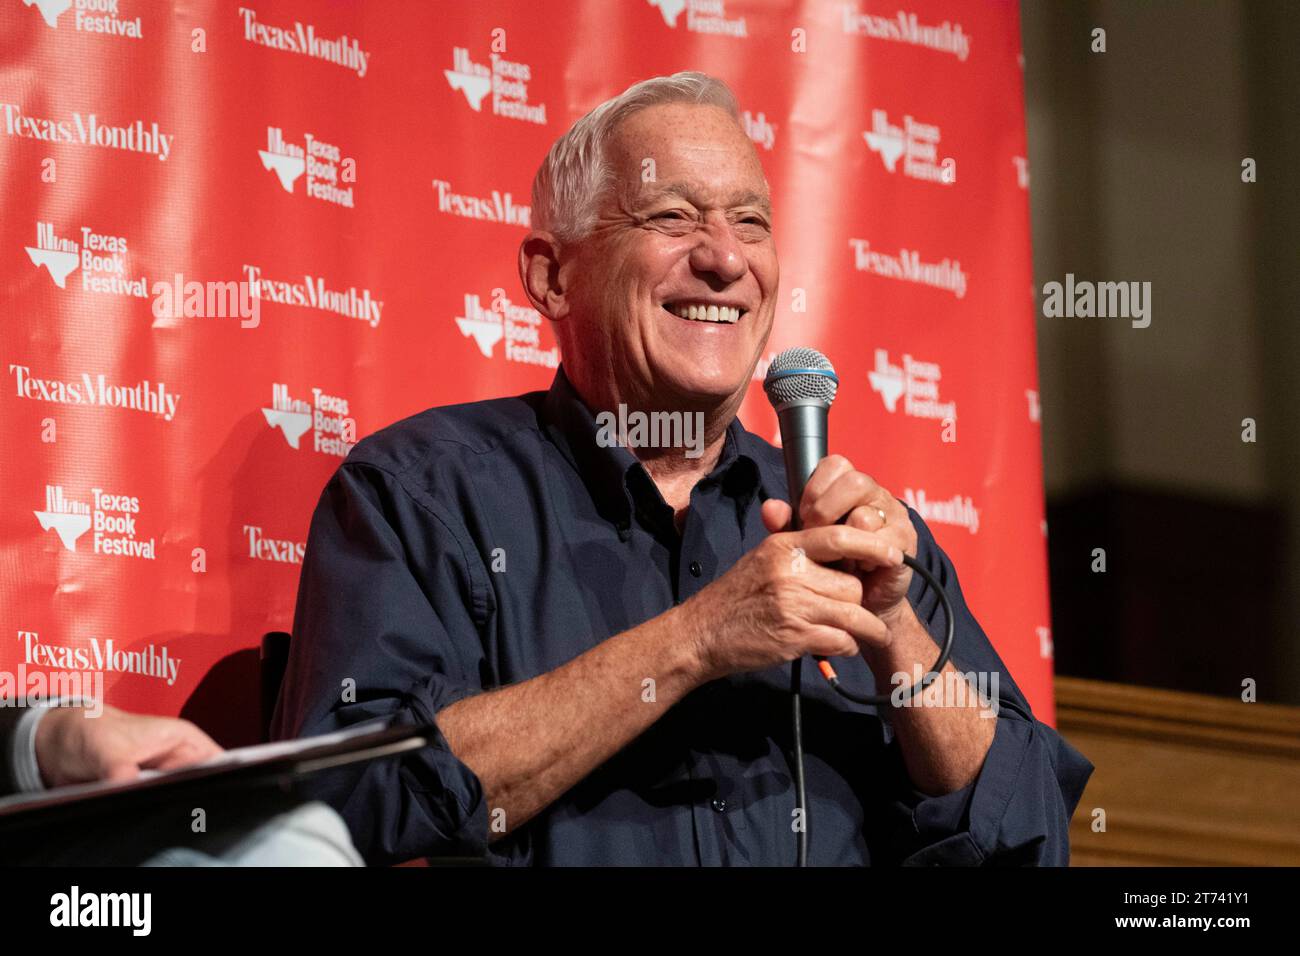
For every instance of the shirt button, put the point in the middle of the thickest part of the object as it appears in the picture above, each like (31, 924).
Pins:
(719, 804)
(696, 570)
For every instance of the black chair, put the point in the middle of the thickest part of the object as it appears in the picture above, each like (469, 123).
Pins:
(274, 660)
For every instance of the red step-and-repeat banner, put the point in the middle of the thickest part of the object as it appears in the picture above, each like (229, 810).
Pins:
(361, 173)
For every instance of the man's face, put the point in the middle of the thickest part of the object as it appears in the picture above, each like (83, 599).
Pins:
(674, 290)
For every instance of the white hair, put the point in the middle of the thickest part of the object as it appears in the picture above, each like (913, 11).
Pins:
(572, 179)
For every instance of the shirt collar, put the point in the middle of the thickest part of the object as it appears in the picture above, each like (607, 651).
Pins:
(607, 471)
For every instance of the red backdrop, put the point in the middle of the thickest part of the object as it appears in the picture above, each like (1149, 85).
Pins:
(367, 168)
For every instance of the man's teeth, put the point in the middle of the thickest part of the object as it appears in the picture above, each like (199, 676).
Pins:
(707, 313)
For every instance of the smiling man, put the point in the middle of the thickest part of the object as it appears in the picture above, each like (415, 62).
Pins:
(603, 633)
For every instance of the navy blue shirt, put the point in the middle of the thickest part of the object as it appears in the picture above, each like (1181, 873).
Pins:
(479, 545)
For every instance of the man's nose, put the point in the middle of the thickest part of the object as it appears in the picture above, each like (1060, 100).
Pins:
(718, 250)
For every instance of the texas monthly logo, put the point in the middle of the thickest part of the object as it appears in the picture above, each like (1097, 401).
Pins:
(313, 293)
(506, 80)
(322, 162)
(958, 510)
(112, 516)
(498, 207)
(905, 27)
(100, 256)
(152, 660)
(908, 266)
(520, 326)
(263, 547)
(86, 129)
(327, 417)
(702, 16)
(88, 389)
(302, 39)
(92, 16)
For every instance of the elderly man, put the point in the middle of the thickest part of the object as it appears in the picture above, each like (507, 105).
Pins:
(602, 633)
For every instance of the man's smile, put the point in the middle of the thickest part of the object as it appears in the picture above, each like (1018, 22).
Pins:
(699, 310)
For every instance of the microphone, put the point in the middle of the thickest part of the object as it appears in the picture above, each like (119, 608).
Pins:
(801, 385)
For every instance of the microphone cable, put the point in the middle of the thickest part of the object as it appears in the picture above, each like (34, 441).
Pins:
(828, 672)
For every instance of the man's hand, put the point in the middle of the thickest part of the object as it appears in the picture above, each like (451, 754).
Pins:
(74, 748)
(944, 743)
(782, 600)
(836, 490)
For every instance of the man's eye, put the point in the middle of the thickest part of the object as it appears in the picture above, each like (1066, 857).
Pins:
(753, 229)
(674, 222)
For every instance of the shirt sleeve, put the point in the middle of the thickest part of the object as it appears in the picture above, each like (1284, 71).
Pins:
(1017, 810)
(385, 625)
(21, 773)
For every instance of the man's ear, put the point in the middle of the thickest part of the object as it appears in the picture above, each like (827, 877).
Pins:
(539, 271)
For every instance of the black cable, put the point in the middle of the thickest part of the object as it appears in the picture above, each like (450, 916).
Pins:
(796, 673)
(801, 795)
(926, 679)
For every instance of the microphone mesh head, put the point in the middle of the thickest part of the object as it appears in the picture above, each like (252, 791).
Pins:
(786, 382)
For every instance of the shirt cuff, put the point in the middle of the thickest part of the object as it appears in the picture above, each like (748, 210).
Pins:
(962, 828)
(26, 771)
(1016, 812)
(22, 760)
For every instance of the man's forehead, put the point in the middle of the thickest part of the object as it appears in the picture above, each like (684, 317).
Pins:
(688, 145)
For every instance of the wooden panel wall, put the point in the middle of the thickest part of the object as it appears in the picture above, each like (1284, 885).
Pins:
(1184, 779)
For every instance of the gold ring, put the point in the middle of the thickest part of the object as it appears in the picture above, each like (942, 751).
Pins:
(882, 516)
